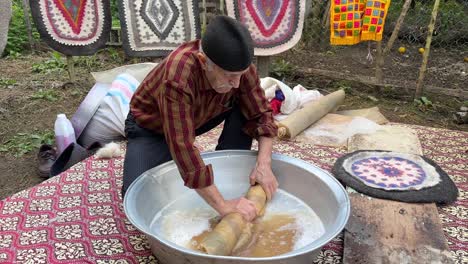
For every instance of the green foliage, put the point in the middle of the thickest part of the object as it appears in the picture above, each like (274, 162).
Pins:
(281, 69)
(54, 64)
(7, 82)
(17, 33)
(344, 85)
(89, 62)
(48, 95)
(114, 55)
(423, 103)
(23, 143)
(115, 13)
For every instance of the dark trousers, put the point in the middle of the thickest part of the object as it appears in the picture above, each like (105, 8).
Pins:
(146, 149)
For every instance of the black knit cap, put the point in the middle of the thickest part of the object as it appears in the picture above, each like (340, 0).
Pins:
(228, 44)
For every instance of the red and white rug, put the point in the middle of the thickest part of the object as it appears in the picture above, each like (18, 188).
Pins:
(77, 216)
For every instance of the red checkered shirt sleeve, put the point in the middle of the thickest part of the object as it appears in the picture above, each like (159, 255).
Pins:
(179, 130)
(255, 106)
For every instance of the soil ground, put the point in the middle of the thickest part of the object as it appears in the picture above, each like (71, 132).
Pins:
(30, 101)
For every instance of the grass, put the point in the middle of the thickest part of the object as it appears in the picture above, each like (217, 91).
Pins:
(23, 143)
(281, 68)
(54, 64)
(7, 82)
(48, 95)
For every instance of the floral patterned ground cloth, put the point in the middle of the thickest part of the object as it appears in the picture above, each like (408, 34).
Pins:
(77, 217)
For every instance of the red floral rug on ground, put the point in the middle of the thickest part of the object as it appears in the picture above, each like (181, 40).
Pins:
(77, 217)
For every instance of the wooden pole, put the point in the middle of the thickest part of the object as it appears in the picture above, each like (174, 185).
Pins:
(422, 70)
(28, 24)
(326, 23)
(204, 16)
(221, 6)
(263, 66)
(379, 65)
(71, 68)
(326, 15)
(398, 24)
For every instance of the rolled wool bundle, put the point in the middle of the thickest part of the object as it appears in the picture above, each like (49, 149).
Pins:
(301, 119)
(233, 231)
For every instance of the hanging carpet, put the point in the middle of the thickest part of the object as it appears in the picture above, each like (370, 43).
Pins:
(275, 25)
(156, 27)
(73, 27)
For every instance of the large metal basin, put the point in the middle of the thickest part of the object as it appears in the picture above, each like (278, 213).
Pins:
(159, 186)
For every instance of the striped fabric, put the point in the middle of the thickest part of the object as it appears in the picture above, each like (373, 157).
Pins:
(176, 98)
(120, 93)
(123, 88)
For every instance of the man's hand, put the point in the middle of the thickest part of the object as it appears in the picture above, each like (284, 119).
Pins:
(263, 175)
(262, 172)
(240, 205)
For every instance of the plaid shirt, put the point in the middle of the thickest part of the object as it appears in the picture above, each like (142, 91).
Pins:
(176, 98)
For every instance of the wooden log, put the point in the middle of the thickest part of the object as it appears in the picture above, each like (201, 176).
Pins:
(406, 87)
(422, 70)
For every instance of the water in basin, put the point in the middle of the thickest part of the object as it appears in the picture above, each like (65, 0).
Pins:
(288, 224)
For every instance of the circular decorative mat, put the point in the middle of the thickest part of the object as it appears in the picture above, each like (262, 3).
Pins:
(395, 176)
(391, 171)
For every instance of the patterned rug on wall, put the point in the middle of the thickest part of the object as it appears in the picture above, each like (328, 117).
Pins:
(156, 27)
(275, 25)
(78, 216)
(73, 27)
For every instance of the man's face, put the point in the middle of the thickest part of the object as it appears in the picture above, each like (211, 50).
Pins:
(222, 81)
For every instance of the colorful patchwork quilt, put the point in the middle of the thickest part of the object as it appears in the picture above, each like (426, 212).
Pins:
(73, 27)
(353, 21)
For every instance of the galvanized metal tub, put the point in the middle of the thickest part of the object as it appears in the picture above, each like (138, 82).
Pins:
(161, 185)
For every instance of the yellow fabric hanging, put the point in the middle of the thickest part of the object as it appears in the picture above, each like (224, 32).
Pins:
(353, 21)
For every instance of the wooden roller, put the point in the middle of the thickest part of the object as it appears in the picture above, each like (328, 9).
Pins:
(233, 231)
(301, 119)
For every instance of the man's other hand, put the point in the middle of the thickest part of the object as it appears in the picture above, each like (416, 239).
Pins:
(263, 175)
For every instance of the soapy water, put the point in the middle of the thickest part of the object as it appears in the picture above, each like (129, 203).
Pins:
(190, 216)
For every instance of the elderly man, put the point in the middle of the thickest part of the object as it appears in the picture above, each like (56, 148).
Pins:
(199, 85)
